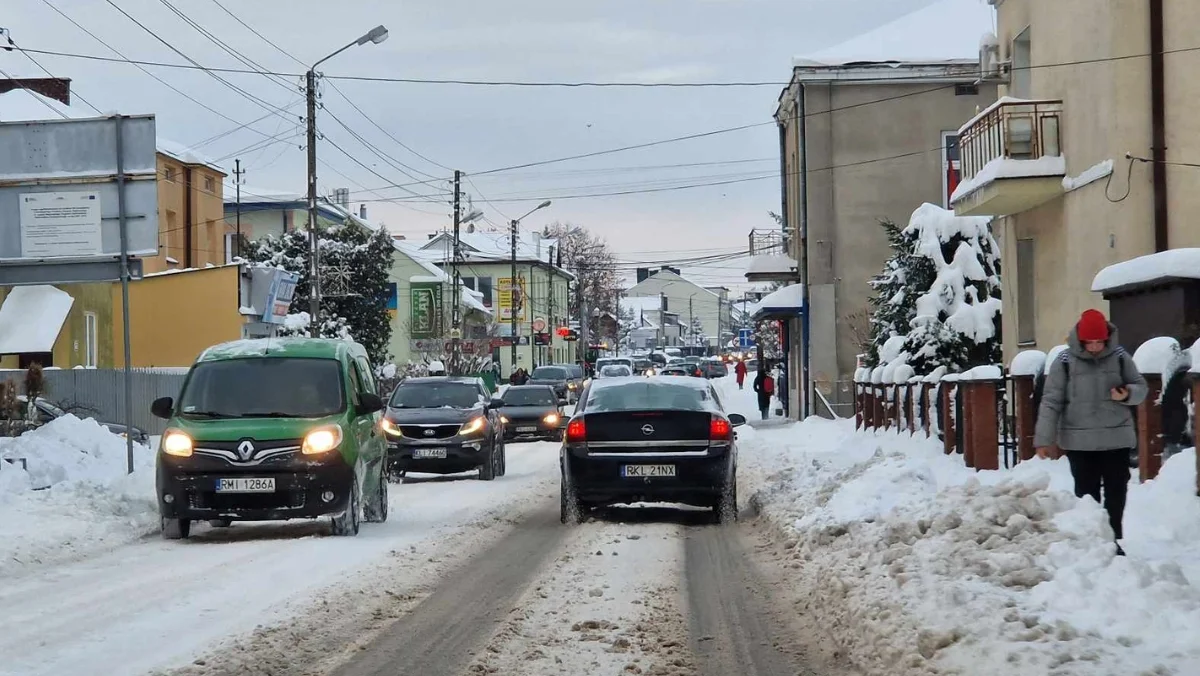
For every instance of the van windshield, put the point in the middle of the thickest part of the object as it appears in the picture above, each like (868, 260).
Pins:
(264, 387)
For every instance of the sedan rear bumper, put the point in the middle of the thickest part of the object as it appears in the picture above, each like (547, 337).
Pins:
(697, 480)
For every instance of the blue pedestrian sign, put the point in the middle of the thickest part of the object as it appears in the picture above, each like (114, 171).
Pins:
(745, 337)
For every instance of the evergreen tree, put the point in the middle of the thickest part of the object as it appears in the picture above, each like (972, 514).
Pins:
(905, 276)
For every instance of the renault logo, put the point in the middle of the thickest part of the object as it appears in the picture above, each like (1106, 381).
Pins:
(245, 450)
(647, 429)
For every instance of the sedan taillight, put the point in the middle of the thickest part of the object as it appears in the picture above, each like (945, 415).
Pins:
(576, 431)
(719, 429)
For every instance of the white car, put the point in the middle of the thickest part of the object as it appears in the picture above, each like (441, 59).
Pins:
(614, 371)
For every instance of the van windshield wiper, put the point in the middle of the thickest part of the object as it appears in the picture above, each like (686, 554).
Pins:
(210, 414)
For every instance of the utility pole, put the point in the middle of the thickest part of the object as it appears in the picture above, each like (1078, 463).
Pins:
(237, 182)
(550, 323)
(512, 293)
(314, 269)
(691, 322)
(583, 324)
(456, 311)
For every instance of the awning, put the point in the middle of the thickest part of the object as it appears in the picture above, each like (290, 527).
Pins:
(32, 317)
(784, 303)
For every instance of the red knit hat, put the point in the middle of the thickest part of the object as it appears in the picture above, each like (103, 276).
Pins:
(1092, 326)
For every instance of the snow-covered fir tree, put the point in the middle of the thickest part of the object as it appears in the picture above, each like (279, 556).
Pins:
(355, 267)
(905, 276)
(956, 319)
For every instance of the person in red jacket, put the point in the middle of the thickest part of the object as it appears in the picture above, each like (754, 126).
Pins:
(740, 370)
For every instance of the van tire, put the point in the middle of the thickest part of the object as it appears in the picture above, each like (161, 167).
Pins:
(346, 524)
(378, 512)
(175, 529)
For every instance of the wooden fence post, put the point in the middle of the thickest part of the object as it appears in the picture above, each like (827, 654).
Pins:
(948, 432)
(1026, 416)
(880, 405)
(911, 406)
(1149, 429)
(926, 421)
(898, 406)
(981, 427)
(858, 405)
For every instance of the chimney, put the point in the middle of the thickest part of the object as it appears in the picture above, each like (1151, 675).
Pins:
(362, 211)
(671, 269)
(642, 274)
(537, 245)
(341, 197)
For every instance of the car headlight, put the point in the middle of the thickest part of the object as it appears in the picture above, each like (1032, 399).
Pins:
(177, 443)
(551, 419)
(504, 419)
(570, 386)
(322, 440)
(473, 426)
(390, 428)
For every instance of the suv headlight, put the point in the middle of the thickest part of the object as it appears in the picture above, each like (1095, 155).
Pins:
(322, 440)
(176, 443)
(551, 419)
(474, 425)
(390, 428)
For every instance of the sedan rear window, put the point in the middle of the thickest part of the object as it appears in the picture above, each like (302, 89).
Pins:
(639, 396)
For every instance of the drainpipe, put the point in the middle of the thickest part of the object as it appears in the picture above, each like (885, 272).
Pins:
(187, 217)
(805, 338)
(783, 176)
(1158, 124)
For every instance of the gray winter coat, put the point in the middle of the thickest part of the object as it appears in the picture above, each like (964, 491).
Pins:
(1077, 412)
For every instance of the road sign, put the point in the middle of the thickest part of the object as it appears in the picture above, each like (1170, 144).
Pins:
(745, 337)
(539, 325)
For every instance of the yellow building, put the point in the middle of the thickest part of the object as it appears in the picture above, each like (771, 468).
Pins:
(192, 231)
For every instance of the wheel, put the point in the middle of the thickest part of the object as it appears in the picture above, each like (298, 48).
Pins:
(570, 510)
(503, 459)
(378, 513)
(487, 471)
(346, 523)
(220, 523)
(726, 509)
(175, 529)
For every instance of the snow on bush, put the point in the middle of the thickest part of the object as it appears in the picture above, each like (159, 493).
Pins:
(924, 566)
(1161, 356)
(1194, 356)
(1028, 363)
(73, 496)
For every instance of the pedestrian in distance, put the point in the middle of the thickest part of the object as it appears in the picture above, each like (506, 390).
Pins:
(764, 385)
(1087, 413)
(782, 388)
(740, 371)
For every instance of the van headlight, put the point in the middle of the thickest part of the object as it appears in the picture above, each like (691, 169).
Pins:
(176, 443)
(474, 425)
(322, 440)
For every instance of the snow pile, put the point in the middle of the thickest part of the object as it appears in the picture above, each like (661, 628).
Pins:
(1091, 175)
(1194, 355)
(1028, 363)
(1173, 263)
(985, 372)
(1161, 356)
(1006, 167)
(73, 495)
(924, 566)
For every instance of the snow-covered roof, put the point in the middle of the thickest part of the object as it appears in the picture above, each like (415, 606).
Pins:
(1170, 264)
(496, 245)
(269, 195)
(772, 264)
(661, 274)
(945, 30)
(186, 155)
(786, 298)
(32, 317)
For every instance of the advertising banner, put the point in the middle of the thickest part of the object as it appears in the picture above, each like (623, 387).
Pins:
(512, 300)
(425, 311)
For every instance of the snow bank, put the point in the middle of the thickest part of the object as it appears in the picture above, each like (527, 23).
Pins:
(1028, 363)
(73, 497)
(1161, 356)
(1091, 175)
(925, 566)
(1181, 263)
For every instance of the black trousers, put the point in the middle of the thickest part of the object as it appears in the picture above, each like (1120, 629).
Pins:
(1110, 469)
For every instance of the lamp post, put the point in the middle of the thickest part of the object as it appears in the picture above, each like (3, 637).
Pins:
(512, 283)
(376, 35)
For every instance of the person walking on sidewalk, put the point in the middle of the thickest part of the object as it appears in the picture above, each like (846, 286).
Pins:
(764, 385)
(740, 370)
(1087, 412)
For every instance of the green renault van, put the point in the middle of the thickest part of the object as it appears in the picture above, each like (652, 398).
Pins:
(273, 429)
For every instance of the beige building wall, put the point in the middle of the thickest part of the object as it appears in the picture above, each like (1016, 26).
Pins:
(1106, 114)
(204, 214)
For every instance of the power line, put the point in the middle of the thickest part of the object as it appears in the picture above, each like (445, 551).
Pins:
(52, 75)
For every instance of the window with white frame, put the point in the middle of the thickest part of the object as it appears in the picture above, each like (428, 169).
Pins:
(91, 351)
(229, 247)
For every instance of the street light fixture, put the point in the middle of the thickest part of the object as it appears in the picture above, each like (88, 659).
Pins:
(512, 282)
(376, 35)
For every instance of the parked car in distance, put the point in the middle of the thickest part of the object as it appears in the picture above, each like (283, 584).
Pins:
(674, 371)
(714, 368)
(267, 430)
(614, 371)
(623, 361)
(531, 412)
(444, 425)
(650, 440)
(641, 365)
(561, 378)
(48, 410)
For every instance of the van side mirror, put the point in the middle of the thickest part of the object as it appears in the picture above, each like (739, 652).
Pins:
(163, 408)
(737, 419)
(369, 403)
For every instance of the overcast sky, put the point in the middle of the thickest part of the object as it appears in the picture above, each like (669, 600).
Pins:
(475, 128)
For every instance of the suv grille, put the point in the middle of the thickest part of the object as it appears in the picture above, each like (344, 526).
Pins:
(422, 431)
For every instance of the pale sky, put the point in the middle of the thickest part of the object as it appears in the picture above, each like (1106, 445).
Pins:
(477, 128)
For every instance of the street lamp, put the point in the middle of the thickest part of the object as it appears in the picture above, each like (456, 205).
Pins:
(512, 283)
(376, 35)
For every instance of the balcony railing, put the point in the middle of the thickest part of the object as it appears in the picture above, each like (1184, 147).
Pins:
(767, 242)
(1012, 129)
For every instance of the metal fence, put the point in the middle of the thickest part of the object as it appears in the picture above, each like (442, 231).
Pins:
(100, 393)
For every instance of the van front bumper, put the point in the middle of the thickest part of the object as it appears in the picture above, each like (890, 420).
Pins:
(319, 489)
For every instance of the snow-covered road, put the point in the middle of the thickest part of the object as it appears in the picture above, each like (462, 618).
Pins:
(155, 604)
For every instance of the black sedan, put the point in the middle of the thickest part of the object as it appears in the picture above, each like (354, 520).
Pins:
(531, 412)
(444, 425)
(650, 440)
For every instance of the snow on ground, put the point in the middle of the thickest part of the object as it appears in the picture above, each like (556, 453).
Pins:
(84, 502)
(920, 565)
(607, 606)
(156, 604)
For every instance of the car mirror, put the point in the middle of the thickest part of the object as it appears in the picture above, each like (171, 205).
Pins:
(496, 403)
(369, 403)
(737, 419)
(163, 408)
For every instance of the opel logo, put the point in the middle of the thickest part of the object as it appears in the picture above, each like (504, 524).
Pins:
(430, 433)
(647, 429)
(245, 450)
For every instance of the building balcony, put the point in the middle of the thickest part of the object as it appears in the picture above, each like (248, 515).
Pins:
(1011, 158)
(770, 260)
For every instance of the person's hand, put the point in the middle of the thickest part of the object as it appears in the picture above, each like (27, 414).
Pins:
(1119, 393)
(1047, 452)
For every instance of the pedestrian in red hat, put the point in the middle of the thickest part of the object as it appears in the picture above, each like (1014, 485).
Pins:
(1087, 412)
